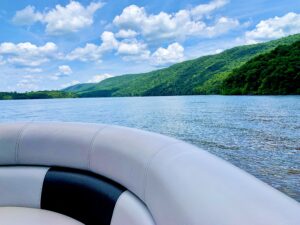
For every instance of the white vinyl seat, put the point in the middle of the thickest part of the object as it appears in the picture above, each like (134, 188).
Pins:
(111, 175)
(30, 216)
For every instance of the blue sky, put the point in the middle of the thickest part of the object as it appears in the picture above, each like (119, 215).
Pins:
(53, 44)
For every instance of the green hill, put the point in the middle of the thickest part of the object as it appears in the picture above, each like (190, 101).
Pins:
(204, 75)
(277, 72)
(266, 68)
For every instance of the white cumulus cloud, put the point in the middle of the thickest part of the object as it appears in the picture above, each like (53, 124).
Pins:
(133, 50)
(172, 54)
(206, 9)
(28, 54)
(129, 49)
(70, 18)
(109, 41)
(137, 29)
(273, 28)
(221, 25)
(177, 25)
(27, 16)
(126, 34)
(65, 70)
(92, 52)
(61, 19)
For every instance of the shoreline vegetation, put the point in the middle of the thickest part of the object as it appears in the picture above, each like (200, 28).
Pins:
(36, 95)
(270, 68)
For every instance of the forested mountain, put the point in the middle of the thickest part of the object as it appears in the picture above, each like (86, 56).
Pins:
(266, 68)
(277, 72)
(204, 75)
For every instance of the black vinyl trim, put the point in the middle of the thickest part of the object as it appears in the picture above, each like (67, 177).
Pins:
(82, 195)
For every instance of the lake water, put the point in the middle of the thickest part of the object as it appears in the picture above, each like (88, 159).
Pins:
(258, 134)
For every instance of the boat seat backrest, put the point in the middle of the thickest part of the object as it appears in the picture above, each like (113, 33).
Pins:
(82, 195)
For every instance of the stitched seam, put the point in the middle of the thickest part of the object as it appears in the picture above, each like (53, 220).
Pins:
(92, 145)
(149, 164)
(18, 141)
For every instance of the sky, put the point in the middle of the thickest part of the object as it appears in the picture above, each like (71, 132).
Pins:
(49, 45)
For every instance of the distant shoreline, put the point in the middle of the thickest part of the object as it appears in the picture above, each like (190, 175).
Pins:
(137, 96)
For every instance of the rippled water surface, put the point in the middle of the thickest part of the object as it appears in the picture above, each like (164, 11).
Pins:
(258, 134)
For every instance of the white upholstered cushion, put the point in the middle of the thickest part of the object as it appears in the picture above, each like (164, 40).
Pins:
(29, 216)
(179, 183)
(21, 186)
(129, 210)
